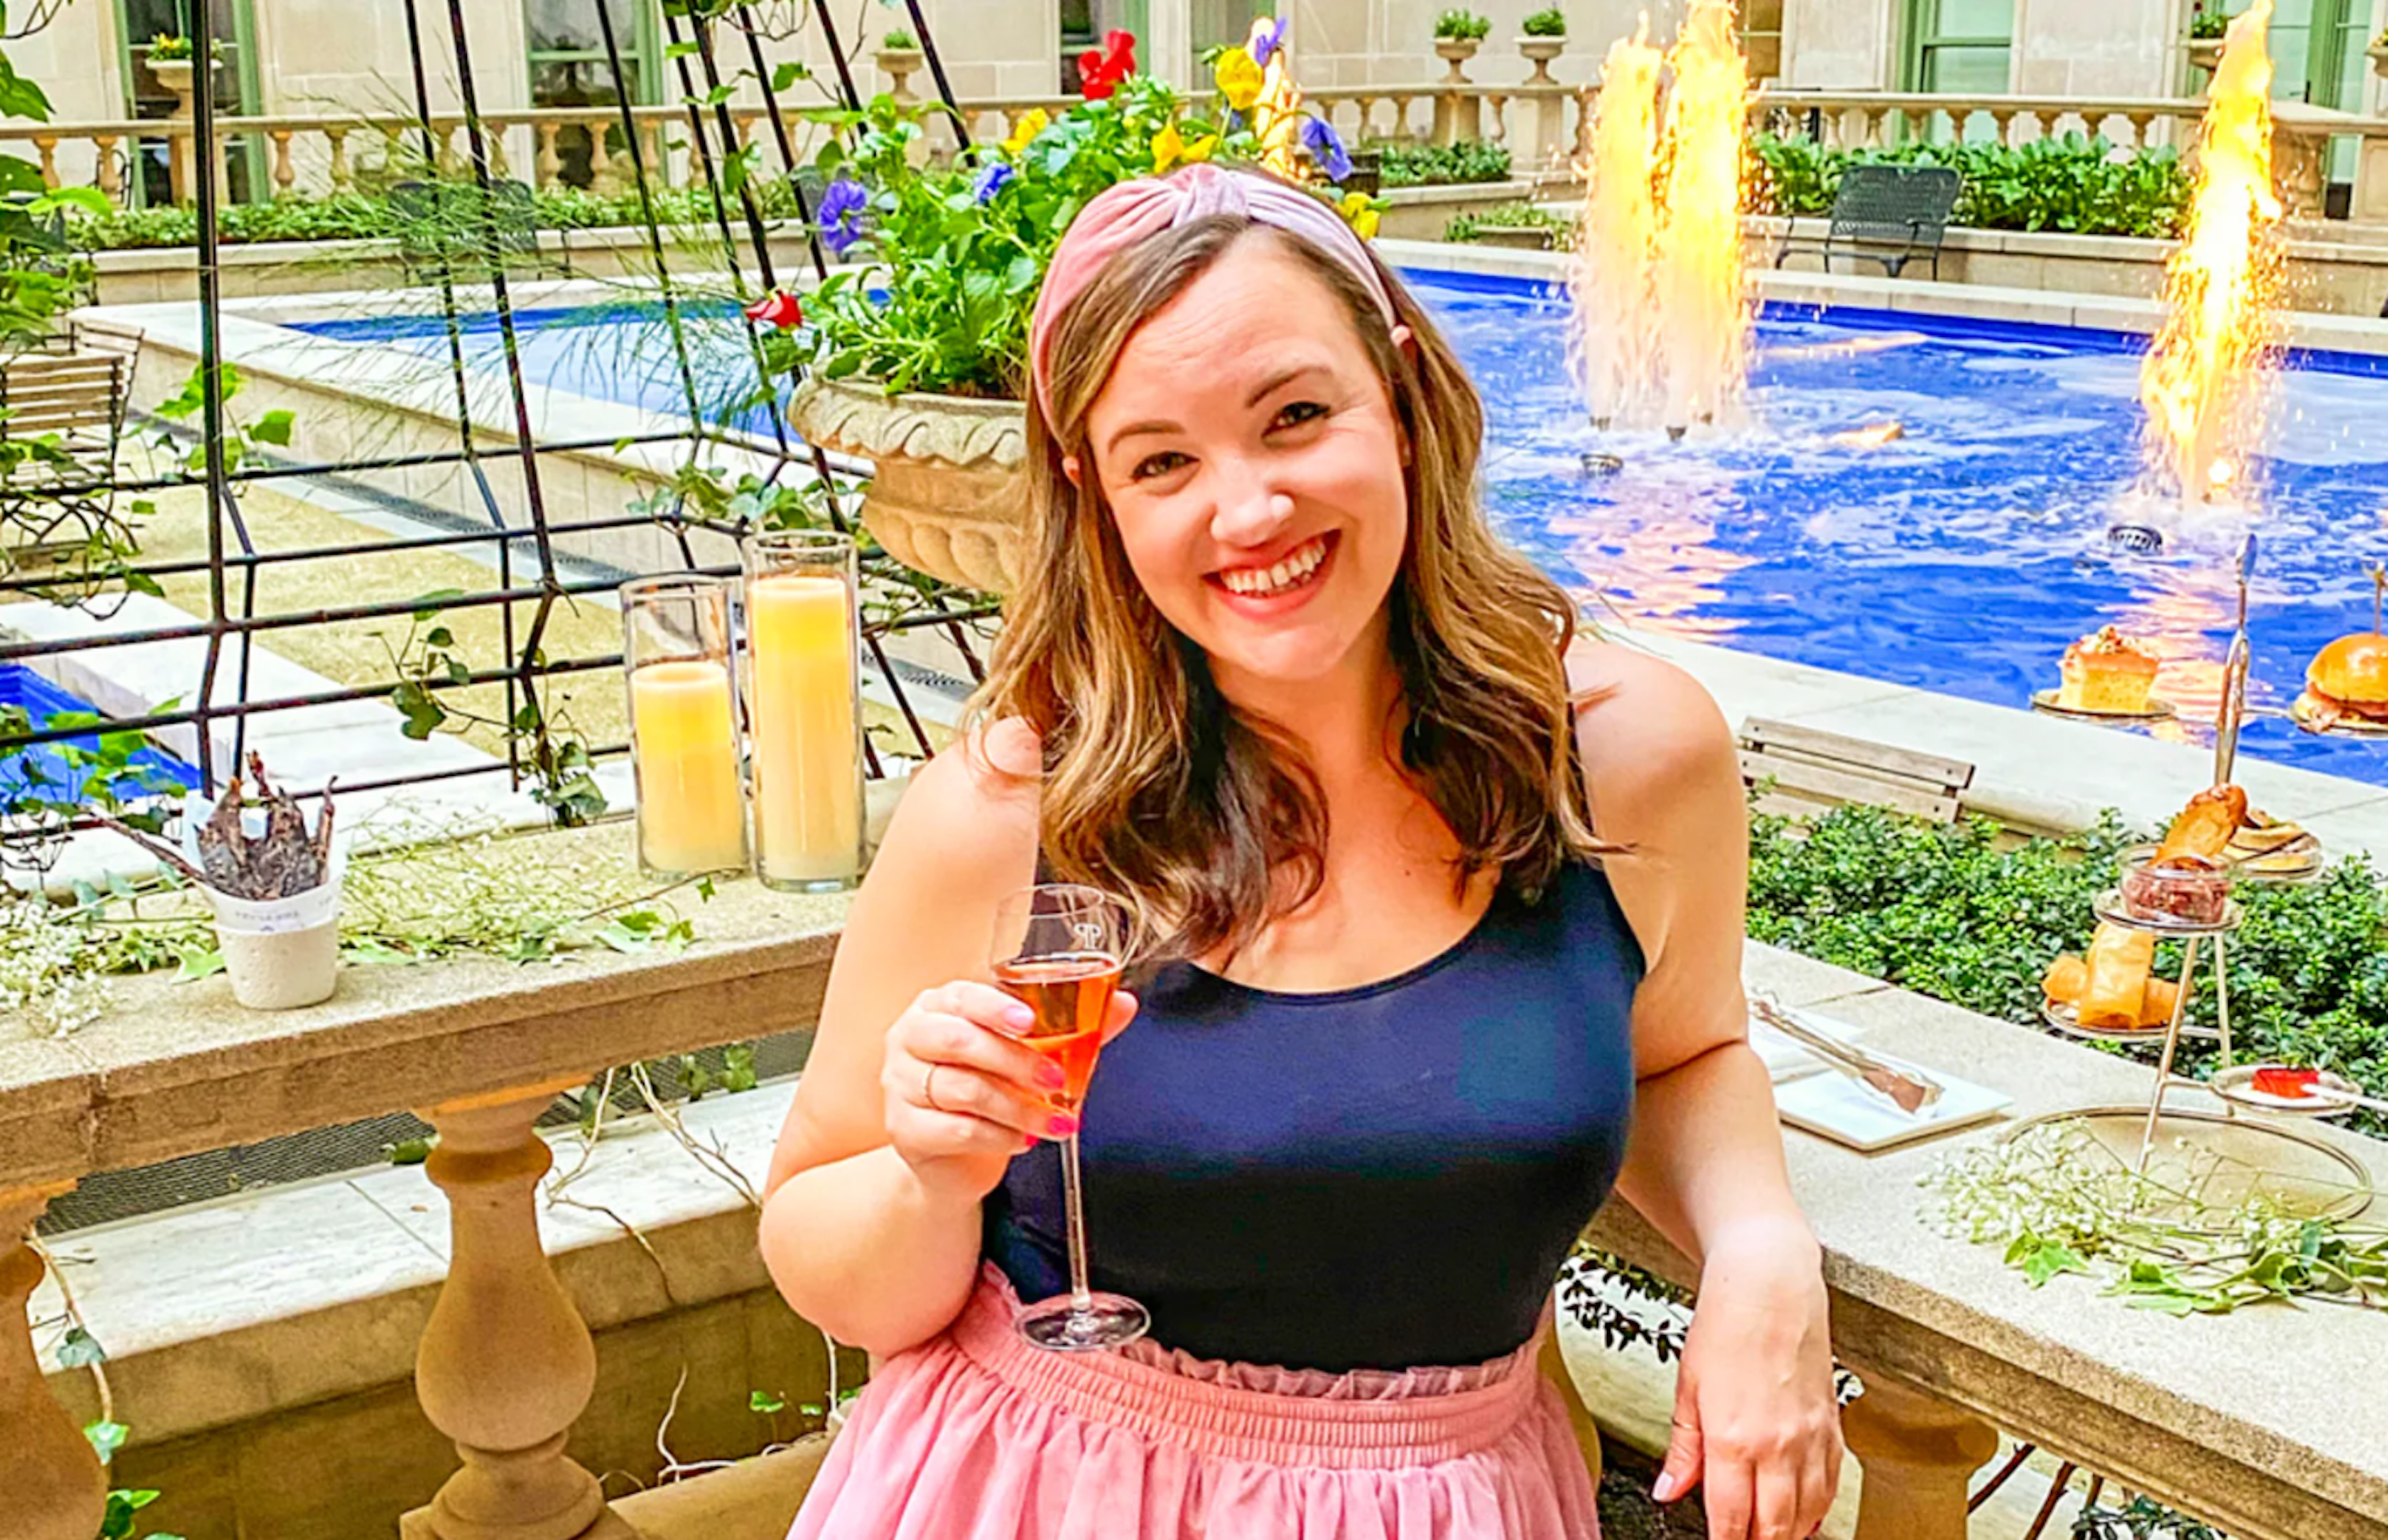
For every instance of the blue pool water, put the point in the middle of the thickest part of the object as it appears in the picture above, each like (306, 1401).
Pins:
(43, 768)
(1961, 558)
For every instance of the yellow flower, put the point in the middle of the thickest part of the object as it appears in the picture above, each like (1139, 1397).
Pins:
(1359, 212)
(1172, 150)
(1239, 78)
(1030, 127)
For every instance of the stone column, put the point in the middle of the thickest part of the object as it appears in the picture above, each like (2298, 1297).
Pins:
(1918, 1452)
(506, 1363)
(2297, 168)
(1455, 115)
(54, 1487)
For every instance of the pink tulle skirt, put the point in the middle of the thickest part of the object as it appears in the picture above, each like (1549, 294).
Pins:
(976, 1435)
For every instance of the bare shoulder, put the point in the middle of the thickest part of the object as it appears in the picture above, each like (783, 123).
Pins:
(971, 808)
(1646, 730)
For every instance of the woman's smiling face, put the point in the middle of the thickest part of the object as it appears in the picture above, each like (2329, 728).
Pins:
(1248, 447)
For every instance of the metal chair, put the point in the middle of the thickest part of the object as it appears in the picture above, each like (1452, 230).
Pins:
(1882, 206)
(61, 429)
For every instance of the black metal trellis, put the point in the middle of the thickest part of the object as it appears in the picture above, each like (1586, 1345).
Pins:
(234, 557)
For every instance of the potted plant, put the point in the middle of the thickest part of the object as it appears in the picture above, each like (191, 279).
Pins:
(1457, 35)
(917, 351)
(2377, 53)
(171, 60)
(275, 887)
(1543, 39)
(2207, 24)
(900, 56)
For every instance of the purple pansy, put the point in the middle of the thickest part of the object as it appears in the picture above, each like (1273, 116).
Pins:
(841, 213)
(991, 181)
(1325, 147)
(1267, 41)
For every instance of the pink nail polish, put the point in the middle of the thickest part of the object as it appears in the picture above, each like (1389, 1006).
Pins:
(1049, 1074)
(1063, 1126)
(1665, 1492)
(1018, 1017)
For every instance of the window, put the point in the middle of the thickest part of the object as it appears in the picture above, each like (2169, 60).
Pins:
(1225, 21)
(152, 176)
(569, 68)
(1958, 47)
(1762, 38)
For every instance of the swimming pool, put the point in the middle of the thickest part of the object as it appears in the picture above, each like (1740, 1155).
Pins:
(1961, 558)
(43, 768)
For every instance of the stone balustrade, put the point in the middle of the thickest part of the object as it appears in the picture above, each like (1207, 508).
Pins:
(2219, 1417)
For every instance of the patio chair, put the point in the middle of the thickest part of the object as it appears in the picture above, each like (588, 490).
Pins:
(1879, 207)
(444, 227)
(1806, 769)
(61, 428)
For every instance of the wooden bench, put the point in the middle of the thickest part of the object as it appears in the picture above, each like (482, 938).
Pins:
(62, 426)
(1809, 770)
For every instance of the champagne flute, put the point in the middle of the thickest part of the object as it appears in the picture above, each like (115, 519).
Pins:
(1058, 949)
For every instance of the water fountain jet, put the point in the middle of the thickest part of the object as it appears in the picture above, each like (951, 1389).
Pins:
(1661, 312)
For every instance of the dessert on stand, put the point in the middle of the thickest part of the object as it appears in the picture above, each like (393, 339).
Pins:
(2107, 677)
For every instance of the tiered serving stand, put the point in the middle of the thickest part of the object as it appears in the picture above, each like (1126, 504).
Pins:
(2218, 1159)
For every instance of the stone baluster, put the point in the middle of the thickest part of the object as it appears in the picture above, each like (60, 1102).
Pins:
(54, 1487)
(2002, 124)
(1367, 106)
(546, 164)
(343, 179)
(1402, 132)
(444, 161)
(658, 163)
(47, 144)
(285, 175)
(494, 139)
(393, 150)
(111, 181)
(2143, 127)
(1917, 1452)
(1499, 104)
(601, 160)
(506, 1363)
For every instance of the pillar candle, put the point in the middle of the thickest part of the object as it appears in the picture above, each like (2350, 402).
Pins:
(808, 764)
(691, 815)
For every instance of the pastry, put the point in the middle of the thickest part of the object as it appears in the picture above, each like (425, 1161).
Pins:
(2188, 877)
(2272, 847)
(2107, 672)
(2114, 981)
(2069, 979)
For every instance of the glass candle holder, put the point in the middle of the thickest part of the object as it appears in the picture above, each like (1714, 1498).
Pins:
(683, 724)
(804, 708)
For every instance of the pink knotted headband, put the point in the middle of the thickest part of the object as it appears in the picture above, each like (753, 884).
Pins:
(1132, 212)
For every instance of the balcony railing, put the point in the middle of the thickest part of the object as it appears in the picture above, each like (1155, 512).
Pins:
(1949, 1341)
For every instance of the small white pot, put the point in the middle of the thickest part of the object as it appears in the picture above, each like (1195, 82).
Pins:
(280, 954)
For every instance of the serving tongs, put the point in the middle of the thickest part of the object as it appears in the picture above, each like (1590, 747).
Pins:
(1902, 1085)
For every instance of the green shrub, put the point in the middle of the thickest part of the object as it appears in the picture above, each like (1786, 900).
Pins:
(2204, 23)
(899, 37)
(2068, 183)
(1470, 160)
(1940, 909)
(1550, 21)
(1462, 26)
(1511, 216)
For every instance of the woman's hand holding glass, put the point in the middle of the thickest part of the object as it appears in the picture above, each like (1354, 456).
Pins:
(963, 1095)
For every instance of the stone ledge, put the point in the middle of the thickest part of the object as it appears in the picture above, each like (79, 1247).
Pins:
(176, 1070)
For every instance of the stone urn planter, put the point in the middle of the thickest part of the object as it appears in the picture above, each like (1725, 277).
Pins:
(2378, 55)
(900, 65)
(1539, 52)
(2205, 53)
(949, 495)
(1456, 52)
(175, 74)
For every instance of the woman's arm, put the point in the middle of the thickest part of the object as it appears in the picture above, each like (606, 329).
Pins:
(874, 1237)
(1755, 1420)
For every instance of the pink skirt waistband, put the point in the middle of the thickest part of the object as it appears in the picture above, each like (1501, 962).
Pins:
(1365, 1420)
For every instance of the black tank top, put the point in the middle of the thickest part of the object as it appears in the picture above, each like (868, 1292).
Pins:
(1385, 1177)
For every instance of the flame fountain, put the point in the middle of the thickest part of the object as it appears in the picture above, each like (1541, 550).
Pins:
(2207, 374)
(1661, 310)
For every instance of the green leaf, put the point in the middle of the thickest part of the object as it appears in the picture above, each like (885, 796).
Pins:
(2050, 1259)
(763, 1402)
(196, 965)
(787, 74)
(409, 1152)
(106, 1438)
(273, 429)
(80, 1349)
(427, 606)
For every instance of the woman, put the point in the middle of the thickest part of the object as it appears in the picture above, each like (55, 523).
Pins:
(1279, 686)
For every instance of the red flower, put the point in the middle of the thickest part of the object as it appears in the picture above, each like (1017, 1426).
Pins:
(779, 309)
(1101, 70)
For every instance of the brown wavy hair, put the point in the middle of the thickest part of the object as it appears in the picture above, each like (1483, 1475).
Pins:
(1207, 818)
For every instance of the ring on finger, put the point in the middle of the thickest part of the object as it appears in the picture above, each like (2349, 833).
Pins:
(929, 1089)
